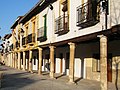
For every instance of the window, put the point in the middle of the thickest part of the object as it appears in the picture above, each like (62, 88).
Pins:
(33, 27)
(26, 30)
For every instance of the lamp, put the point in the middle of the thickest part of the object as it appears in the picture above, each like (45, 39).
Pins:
(50, 6)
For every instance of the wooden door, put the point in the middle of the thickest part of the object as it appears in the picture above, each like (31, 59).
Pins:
(109, 68)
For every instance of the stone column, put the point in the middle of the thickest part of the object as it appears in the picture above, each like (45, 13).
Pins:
(24, 61)
(12, 59)
(71, 63)
(15, 60)
(30, 61)
(103, 60)
(51, 61)
(40, 61)
(19, 61)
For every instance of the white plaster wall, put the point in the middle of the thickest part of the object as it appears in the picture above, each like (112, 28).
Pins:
(26, 63)
(114, 12)
(77, 67)
(74, 30)
(113, 18)
(63, 67)
(51, 15)
(57, 65)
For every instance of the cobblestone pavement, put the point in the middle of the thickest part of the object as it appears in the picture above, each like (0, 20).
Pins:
(14, 79)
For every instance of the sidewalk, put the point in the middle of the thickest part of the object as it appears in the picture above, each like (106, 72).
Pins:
(14, 79)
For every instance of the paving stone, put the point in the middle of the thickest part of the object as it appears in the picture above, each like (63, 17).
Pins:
(14, 79)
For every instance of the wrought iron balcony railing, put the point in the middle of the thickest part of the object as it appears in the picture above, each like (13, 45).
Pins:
(41, 34)
(6, 50)
(88, 14)
(17, 44)
(61, 25)
(31, 38)
(24, 41)
(11, 47)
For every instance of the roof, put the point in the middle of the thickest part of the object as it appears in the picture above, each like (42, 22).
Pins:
(16, 22)
(7, 36)
(41, 5)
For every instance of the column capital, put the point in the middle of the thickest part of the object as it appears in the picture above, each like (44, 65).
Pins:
(72, 44)
(39, 48)
(51, 47)
(101, 36)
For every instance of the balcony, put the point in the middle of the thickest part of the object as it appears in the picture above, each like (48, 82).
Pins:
(24, 41)
(6, 50)
(88, 14)
(17, 44)
(11, 47)
(31, 38)
(41, 34)
(61, 25)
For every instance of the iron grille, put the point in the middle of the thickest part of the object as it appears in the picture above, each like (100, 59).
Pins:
(88, 14)
(31, 38)
(61, 25)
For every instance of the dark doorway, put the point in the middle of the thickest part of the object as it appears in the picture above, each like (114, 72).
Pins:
(67, 60)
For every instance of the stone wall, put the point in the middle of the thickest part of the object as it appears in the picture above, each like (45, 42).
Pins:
(116, 70)
(90, 74)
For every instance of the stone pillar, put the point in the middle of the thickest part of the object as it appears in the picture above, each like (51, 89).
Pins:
(19, 61)
(15, 60)
(71, 63)
(40, 61)
(30, 61)
(103, 60)
(12, 59)
(24, 61)
(51, 61)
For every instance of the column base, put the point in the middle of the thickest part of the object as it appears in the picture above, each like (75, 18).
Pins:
(69, 82)
(39, 73)
(30, 71)
(52, 75)
(24, 69)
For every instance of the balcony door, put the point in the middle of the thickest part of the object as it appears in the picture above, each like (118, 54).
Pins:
(33, 27)
(65, 13)
(92, 10)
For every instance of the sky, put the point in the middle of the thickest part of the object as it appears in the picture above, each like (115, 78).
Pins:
(10, 10)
